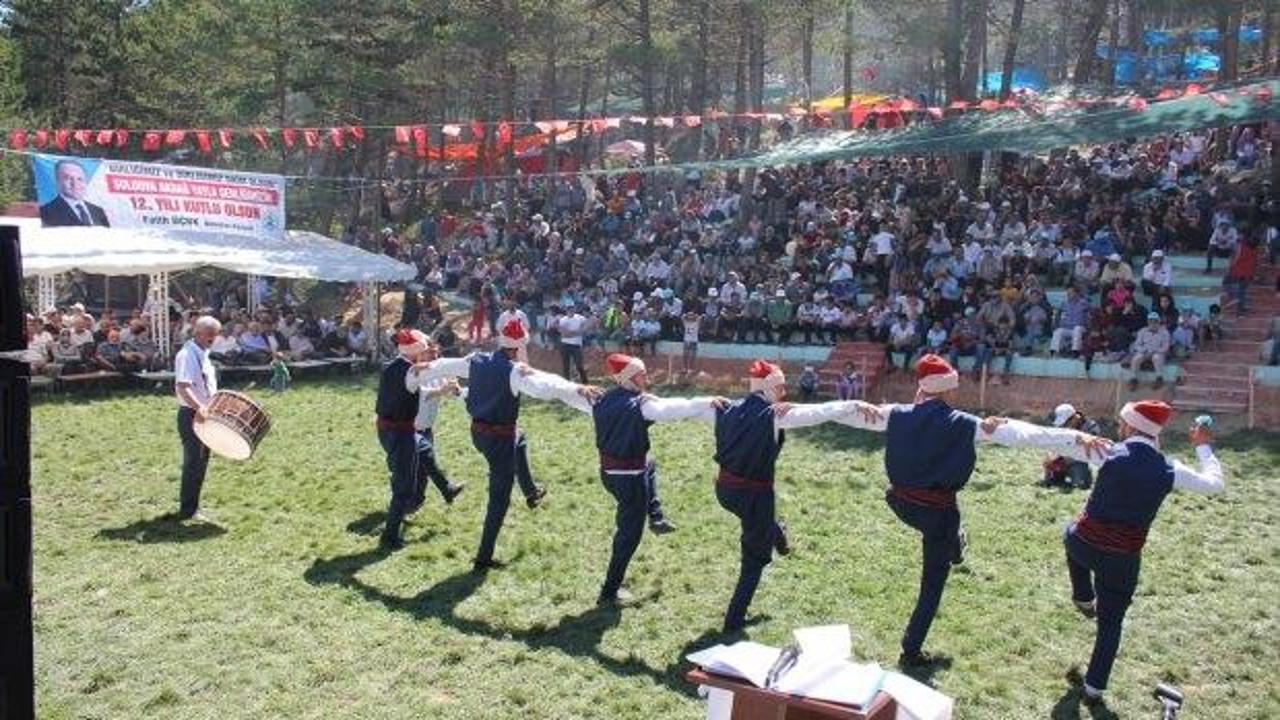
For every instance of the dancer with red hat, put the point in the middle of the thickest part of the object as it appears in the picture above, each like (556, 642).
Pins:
(622, 417)
(749, 436)
(495, 385)
(1104, 543)
(397, 406)
(929, 456)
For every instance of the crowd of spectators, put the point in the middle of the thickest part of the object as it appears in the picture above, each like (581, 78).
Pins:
(893, 250)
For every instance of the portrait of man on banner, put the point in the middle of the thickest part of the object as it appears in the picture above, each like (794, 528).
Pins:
(69, 204)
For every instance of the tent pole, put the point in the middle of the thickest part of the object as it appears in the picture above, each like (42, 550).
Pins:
(373, 319)
(250, 300)
(46, 292)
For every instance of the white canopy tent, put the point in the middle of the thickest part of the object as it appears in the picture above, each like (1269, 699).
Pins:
(48, 252)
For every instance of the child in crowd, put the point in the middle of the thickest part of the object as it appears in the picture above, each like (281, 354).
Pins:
(279, 374)
(849, 385)
(808, 383)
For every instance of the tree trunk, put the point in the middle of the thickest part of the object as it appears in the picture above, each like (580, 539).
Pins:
(1095, 18)
(951, 50)
(1061, 48)
(1229, 31)
(976, 22)
(1011, 48)
(698, 84)
(587, 71)
(848, 54)
(1268, 39)
(604, 107)
(551, 160)
(806, 53)
(757, 63)
(646, 81)
(509, 114)
(1112, 42)
(740, 74)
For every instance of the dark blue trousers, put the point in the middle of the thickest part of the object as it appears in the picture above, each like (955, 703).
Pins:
(631, 491)
(938, 529)
(508, 459)
(1111, 579)
(195, 460)
(427, 469)
(755, 510)
(402, 460)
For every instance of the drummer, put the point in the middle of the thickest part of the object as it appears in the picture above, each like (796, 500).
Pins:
(194, 382)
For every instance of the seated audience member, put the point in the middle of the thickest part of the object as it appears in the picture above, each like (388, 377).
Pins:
(1157, 275)
(1064, 471)
(108, 353)
(301, 347)
(140, 347)
(225, 348)
(1073, 317)
(255, 347)
(849, 386)
(40, 341)
(903, 339)
(1185, 336)
(68, 357)
(1000, 343)
(1152, 343)
(808, 383)
(357, 338)
(1211, 328)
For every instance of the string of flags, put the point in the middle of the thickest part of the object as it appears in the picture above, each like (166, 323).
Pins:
(499, 134)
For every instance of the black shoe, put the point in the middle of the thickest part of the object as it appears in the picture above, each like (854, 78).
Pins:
(918, 659)
(453, 491)
(1087, 609)
(962, 543)
(661, 526)
(390, 544)
(535, 499)
(782, 543)
(620, 598)
(482, 566)
(415, 507)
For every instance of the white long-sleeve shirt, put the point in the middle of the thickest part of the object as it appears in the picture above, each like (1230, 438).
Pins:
(536, 384)
(658, 409)
(429, 399)
(1208, 479)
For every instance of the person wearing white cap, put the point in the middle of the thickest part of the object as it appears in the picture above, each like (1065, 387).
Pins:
(495, 387)
(1157, 275)
(1060, 469)
(622, 416)
(1104, 543)
(749, 435)
(1086, 272)
(1151, 343)
(1116, 270)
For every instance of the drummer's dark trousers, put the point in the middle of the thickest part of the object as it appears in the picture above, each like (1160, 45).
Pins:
(195, 458)
(402, 459)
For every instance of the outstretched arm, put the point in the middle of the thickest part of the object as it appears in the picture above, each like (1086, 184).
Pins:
(868, 417)
(545, 386)
(797, 416)
(656, 409)
(1060, 441)
(439, 369)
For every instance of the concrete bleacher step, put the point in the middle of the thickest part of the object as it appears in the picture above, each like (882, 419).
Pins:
(1224, 394)
(1228, 382)
(1193, 368)
(1213, 406)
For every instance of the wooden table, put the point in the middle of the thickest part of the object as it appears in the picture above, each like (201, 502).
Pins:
(753, 703)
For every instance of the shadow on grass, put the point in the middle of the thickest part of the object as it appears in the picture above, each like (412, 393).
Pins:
(1069, 705)
(370, 524)
(576, 635)
(925, 673)
(163, 529)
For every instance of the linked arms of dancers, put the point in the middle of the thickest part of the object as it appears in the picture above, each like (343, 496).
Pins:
(524, 380)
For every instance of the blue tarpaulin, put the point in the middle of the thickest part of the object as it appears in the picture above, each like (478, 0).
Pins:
(1025, 77)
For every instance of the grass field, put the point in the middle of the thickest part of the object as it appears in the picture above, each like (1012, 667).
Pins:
(291, 613)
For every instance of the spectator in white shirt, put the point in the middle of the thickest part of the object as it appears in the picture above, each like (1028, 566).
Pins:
(1151, 343)
(195, 382)
(572, 326)
(1221, 243)
(1157, 275)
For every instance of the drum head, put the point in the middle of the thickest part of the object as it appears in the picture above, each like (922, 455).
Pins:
(223, 439)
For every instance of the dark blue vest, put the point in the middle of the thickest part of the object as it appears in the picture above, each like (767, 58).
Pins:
(622, 432)
(745, 439)
(1131, 486)
(489, 397)
(394, 401)
(930, 446)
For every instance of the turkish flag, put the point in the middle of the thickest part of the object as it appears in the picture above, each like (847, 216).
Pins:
(477, 130)
(958, 105)
(61, 138)
(1167, 94)
(560, 125)
(151, 141)
(692, 120)
(335, 137)
(357, 132)
(1010, 104)
(857, 115)
(1138, 104)
(908, 105)
(544, 126)
(122, 137)
(290, 136)
(988, 105)
(41, 139)
(1262, 95)
(18, 139)
(260, 137)
(173, 138)
(934, 112)
(84, 137)
(402, 134)
(105, 137)
(504, 132)
(420, 140)
(1193, 89)
(666, 122)
(202, 141)
(224, 138)
(311, 138)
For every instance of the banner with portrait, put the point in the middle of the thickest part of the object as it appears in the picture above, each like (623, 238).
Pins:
(123, 193)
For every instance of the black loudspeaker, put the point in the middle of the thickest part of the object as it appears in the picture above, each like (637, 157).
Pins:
(17, 668)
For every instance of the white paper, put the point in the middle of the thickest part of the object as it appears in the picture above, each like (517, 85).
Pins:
(824, 641)
(916, 701)
(747, 660)
(834, 680)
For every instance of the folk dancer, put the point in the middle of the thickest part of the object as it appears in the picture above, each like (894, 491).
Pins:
(495, 386)
(397, 406)
(430, 395)
(622, 417)
(749, 434)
